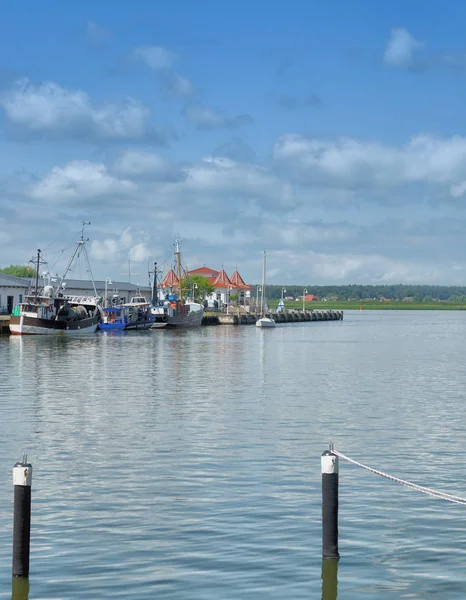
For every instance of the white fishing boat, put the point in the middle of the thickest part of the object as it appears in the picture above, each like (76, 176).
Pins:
(47, 310)
(264, 321)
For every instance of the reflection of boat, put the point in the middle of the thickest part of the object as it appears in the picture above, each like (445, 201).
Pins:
(48, 311)
(264, 321)
(173, 312)
(135, 315)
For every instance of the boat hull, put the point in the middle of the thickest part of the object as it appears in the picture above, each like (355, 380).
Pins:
(265, 323)
(192, 319)
(23, 325)
(125, 327)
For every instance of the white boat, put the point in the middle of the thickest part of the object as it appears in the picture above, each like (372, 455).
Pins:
(264, 321)
(47, 310)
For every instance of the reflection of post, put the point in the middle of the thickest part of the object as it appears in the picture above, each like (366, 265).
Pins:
(329, 579)
(20, 588)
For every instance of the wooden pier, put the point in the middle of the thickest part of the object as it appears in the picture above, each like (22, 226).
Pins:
(4, 324)
(289, 316)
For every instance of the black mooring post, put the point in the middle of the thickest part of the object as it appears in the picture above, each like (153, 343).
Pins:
(22, 479)
(329, 464)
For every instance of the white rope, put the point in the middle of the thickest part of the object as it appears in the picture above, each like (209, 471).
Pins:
(408, 484)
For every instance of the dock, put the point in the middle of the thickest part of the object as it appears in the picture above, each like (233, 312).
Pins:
(4, 324)
(241, 318)
(288, 316)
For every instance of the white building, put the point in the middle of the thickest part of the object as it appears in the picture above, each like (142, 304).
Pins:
(13, 290)
(224, 286)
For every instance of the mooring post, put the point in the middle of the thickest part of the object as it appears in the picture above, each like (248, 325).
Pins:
(329, 464)
(22, 479)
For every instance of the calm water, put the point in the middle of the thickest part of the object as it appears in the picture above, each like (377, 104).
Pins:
(186, 464)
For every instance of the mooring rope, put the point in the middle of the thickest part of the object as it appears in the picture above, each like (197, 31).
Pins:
(408, 484)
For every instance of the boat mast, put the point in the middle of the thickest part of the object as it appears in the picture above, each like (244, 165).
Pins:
(155, 292)
(263, 287)
(37, 273)
(79, 246)
(178, 266)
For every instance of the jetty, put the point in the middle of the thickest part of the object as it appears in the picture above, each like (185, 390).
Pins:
(287, 316)
(237, 317)
(4, 324)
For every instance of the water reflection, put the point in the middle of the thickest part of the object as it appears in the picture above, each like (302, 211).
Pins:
(329, 579)
(19, 588)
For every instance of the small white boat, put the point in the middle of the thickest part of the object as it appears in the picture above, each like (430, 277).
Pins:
(264, 321)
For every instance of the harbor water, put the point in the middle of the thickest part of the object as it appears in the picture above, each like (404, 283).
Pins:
(186, 464)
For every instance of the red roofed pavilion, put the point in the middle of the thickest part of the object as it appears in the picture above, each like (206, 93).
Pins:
(222, 281)
(170, 280)
(238, 282)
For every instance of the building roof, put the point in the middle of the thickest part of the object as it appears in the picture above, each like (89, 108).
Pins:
(12, 281)
(238, 282)
(222, 280)
(310, 297)
(204, 271)
(170, 280)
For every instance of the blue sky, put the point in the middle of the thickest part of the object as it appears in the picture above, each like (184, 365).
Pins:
(330, 134)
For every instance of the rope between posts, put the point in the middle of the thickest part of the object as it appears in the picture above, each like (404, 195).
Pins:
(408, 484)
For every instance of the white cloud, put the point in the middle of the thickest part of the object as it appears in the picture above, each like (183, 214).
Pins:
(351, 163)
(181, 86)
(139, 163)
(134, 246)
(205, 118)
(401, 48)
(49, 110)
(224, 179)
(95, 33)
(79, 179)
(156, 58)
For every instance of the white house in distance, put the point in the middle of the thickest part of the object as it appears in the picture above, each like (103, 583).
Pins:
(224, 286)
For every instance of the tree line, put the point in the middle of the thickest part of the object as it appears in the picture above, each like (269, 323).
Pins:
(419, 293)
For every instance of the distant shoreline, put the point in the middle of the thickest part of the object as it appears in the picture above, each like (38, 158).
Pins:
(393, 305)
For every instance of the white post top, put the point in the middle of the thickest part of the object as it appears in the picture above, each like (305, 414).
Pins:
(22, 474)
(329, 463)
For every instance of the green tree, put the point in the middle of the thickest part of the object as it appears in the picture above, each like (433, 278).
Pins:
(19, 271)
(201, 285)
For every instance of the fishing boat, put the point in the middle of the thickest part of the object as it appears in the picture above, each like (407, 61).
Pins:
(158, 308)
(125, 317)
(172, 311)
(264, 321)
(47, 310)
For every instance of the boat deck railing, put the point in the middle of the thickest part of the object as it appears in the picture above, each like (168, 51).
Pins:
(82, 299)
